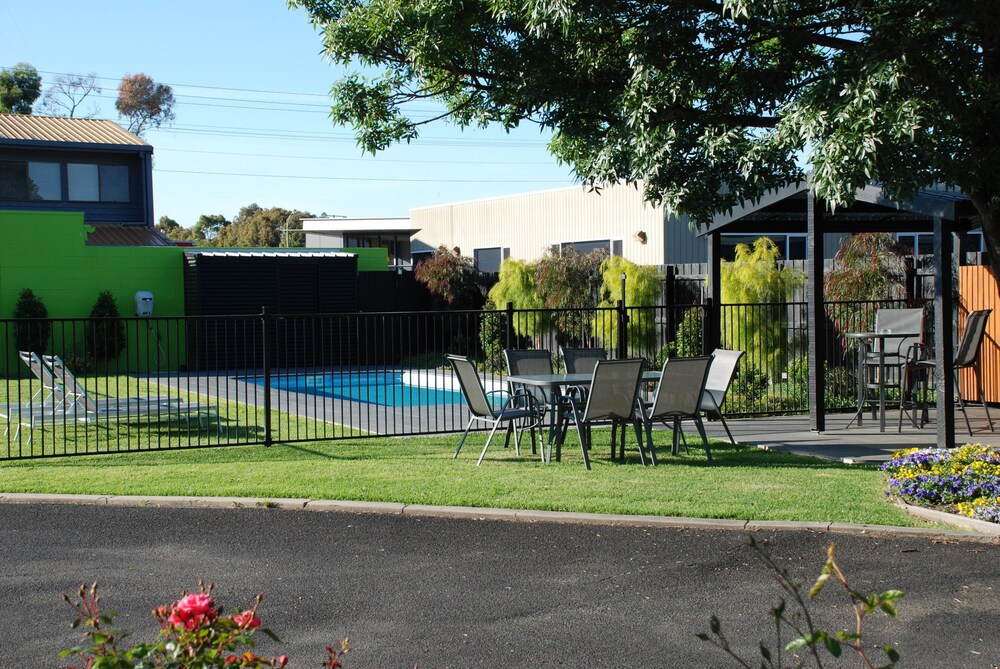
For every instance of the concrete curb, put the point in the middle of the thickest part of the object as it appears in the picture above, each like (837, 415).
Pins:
(973, 530)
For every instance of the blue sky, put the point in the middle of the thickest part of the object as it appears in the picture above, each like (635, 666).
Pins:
(252, 105)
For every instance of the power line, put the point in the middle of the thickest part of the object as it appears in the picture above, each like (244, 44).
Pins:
(365, 179)
(377, 161)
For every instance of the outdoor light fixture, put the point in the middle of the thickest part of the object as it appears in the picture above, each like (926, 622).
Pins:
(640, 237)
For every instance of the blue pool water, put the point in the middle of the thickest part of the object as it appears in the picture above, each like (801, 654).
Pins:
(381, 388)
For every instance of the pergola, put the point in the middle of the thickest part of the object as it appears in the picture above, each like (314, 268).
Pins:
(794, 209)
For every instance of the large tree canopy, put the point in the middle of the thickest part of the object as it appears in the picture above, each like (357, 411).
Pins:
(708, 102)
(20, 86)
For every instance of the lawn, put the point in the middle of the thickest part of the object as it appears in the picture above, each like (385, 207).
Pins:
(741, 484)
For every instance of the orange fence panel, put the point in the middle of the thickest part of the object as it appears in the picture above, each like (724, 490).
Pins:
(977, 289)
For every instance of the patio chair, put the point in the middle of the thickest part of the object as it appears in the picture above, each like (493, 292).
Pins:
(582, 360)
(522, 362)
(613, 396)
(721, 373)
(884, 369)
(679, 396)
(920, 367)
(482, 410)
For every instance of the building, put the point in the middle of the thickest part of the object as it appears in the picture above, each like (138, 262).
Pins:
(91, 166)
(392, 234)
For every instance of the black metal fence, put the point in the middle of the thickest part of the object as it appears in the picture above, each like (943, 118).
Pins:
(134, 384)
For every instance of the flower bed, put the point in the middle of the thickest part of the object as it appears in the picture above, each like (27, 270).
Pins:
(965, 480)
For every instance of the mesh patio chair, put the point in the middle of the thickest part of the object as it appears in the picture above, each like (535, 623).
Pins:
(721, 373)
(522, 362)
(885, 372)
(481, 409)
(613, 397)
(679, 397)
(966, 357)
(582, 360)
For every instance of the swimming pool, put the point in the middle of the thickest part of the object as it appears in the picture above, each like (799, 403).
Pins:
(382, 388)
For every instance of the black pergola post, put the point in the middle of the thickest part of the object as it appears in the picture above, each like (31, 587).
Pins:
(816, 319)
(713, 330)
(944, 330)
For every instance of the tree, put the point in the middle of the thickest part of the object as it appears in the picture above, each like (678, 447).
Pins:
(868, 267)
(105, 336)
(451, 278)
(708, 103)
(144, 103)
(754, 277)
(20, 86)
(643, 286)
(32, 328)
(208, 227)
(65, 97)
(174, 230)
(255, 226)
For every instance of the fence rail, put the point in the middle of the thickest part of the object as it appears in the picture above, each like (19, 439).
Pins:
(136, 384)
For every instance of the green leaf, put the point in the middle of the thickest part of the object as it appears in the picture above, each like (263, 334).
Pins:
(832, 645)
(803, 641)
(889, 608)
(714, 624)
(891, 654)
(890, 595)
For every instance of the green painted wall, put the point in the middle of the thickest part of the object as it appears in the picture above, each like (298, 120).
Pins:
(47, 252)
(369, 260)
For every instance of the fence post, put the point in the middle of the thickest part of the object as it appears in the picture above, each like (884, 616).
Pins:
(708, 327)
(265, 322)
(509, 333)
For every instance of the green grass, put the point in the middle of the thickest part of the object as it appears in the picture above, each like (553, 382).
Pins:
(741, 484)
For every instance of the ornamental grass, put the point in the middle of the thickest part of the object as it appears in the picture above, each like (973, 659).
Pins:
(965, 480)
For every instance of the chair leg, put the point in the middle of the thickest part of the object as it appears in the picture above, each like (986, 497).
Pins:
(982, 395)
(488, 440)
(704, 437)
(649, 441)
(584, 434)
(961, 404)
(462, 440)
(638, 440)
(676, 430)
(507, 433)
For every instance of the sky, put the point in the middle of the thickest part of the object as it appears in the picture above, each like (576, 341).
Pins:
(252, 107)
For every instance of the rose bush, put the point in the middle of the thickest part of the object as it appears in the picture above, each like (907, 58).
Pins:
(194, 634)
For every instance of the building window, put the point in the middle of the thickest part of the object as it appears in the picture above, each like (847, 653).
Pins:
(922, 243)
(610, 246)
(791, 247)
(488, 260)
(22, 180)
(97, 183)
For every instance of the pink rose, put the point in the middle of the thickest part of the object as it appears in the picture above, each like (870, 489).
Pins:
(192, 611)
(247, 620)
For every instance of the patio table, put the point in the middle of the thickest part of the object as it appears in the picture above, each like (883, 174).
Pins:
(866, 339)
(556, 381)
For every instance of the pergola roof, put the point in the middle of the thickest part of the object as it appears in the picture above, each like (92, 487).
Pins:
(785, 209)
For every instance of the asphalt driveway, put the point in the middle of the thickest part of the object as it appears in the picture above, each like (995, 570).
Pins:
(477, 593)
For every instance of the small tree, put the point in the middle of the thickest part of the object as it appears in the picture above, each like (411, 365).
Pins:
(754, 277)
(33, 329)
(20, 86)
(451, 278)
(516, 285)
(144, 103)
(643, 286)
(105, 335)
(870, 266)
(566, 281)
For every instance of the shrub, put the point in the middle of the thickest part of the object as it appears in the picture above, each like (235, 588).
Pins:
(492, 330)
(33, 330)
(193, 633)
(105, 334)
(754, 277)
(451, 278)
(642, 289)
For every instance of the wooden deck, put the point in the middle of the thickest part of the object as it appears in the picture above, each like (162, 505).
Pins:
(852, 444)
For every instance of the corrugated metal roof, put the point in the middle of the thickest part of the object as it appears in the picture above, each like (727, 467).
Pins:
(18, 127)
(269, 253)
(126, 235)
